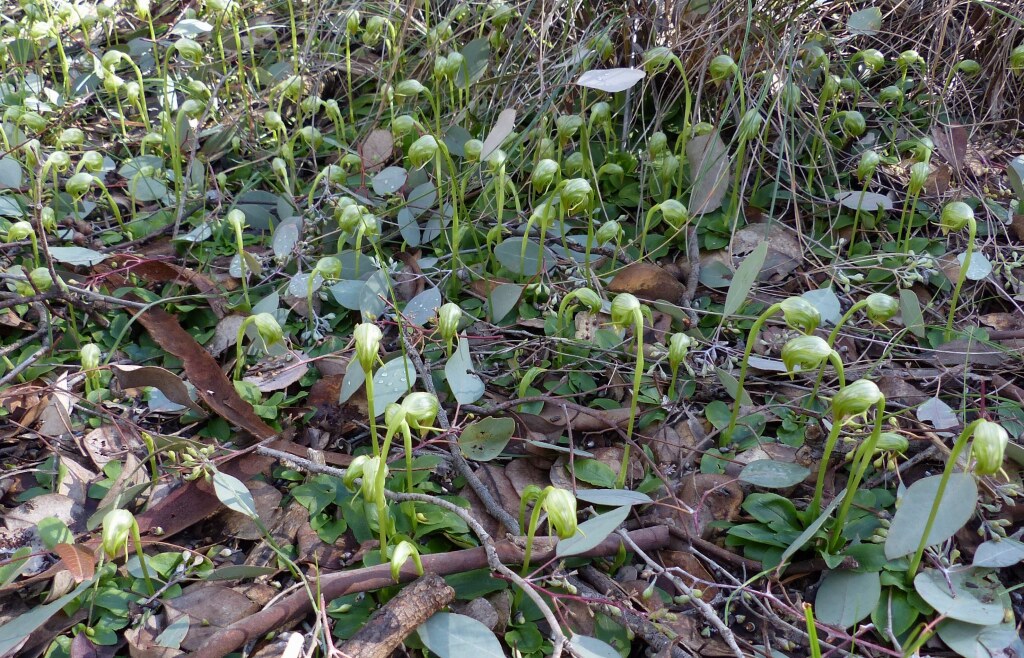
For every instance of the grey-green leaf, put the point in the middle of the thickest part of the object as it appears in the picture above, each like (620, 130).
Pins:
(744, 279)
(232, 492)
(611, 81)
(962, 594)
(613, 497)
(466, 386)
(846, 597)
(485, 439)
(592, 532)
(77, 256)
(954, 511)
(458, 636)
(584, 646)
(772, 474)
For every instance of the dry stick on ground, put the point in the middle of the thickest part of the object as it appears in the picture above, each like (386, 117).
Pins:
(706, 610)
(624, 616)
(388, 627)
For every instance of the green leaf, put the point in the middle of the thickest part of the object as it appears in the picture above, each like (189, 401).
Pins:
(509, 250)
(13, 564)
(772, 474)
(772, 509)
(864, 201)
(591, 647)
(503, 299)
(592, 532)
(466, 386)
(1015, 174)
(175, 632)
(825, 300)
(239, 572)
(485, 439)
(10, 173)
(393, 380)
(232, 492)
(743, 280)
(894, 612)
(956, 509)
(910, 308)
(389, 180)
(423, 306)
(611, 81)
(18, 629)
(77, 256)
(999, 553)
(965, 595)
(146, 189)
(976, 641)
(812, 529)
(594, 472)
(613, 497)
(866, 21)
(458, 636)
(846, 597)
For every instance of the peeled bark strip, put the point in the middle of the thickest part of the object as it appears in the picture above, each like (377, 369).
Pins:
(388, 627)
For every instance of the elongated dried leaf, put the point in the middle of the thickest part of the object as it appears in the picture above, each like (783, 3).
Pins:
(170, 385)
(709, 169)
(78, 560)
(377, 148)
(503, 127)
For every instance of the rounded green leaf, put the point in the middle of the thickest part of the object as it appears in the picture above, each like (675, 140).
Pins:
(458, 636)
(772, 474)
(485, 439)
(846, 597)
(954, 511)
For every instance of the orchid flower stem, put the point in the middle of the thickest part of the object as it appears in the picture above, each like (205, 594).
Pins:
(860, 464)
(239, 346)
(368, 376)
(638, 371)
(240, 246)
(137, 540)
(382, 509)
(531, 530)
(814, 509)
(958, 447)
(832, 337)
(972, 230)
(751, 338)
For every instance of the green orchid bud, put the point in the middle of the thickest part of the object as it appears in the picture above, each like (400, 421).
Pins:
(448, 318)
(805, 353)
(658, 59)
(919, 172)
(679, 345)
(881, 308)
(830, 88)
(352, 23)
(48, 219)
(612, 172)
(34, 121)
(567, 125)
(189, 49)
(545, 174)
(19, 231)
(624, 308)
(402, 125)
(675, 213)
(71, 137)
(496, 161)
(969, 67)
(41, 279)
(268, 328)
(1016, 59)
(142, 9)
(292, 88)
(133, 91)
(560, 505)
(990, 440)
(421, 409)
(348, 216)
(152, 140)
(790, 97)
(848, 84)
(368, 225)
(329, 267)
(273, 121)
(440, 67)
(750, 125)
(873, 59)
(354, 471)
(400, 555)
(422, 151)
(473, 148)
(575, 164)
(657, 144)
(546, 148)
(854, 123)
(367, 338)
(79, 184)
(814, 56)
(891, 94)
(855, 399)
(722, 68)
(800, 314)
(455, 63)
(117, 526)
(351, 162)
(236, 219)
(371, 471)
(576, 195)
(409, 89)
(601, 114)
(394, 419)
(610, 231)
(89, 356)
(909, 58)
(312, 136)
(869, 161)
(602, 45)
(112, 83)
(955, 216)
(892, 442)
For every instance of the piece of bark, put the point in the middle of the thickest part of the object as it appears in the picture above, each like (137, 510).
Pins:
(388, 627)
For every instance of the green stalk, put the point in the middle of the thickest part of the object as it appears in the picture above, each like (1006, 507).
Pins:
(831, 342)
(814, 509)
(751, 337)
(958, 447)
(860, 464)
(638, 371)
(972, 230)
(241, 264)
(531, 530)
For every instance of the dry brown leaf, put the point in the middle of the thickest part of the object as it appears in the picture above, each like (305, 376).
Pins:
(210, 608)
(1003, 321)
(78, 560)
(377, 149)
(129, 376)
(277, 372)
(648, 282)
(951, 143)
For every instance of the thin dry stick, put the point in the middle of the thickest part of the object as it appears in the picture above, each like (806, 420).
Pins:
(706, 610)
